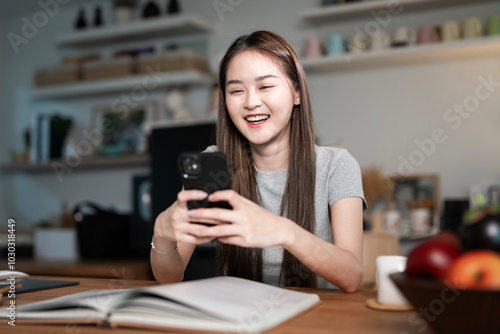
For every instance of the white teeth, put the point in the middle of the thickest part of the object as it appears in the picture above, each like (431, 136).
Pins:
(258, 118)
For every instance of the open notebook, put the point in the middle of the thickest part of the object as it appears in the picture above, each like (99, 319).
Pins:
(212, 304)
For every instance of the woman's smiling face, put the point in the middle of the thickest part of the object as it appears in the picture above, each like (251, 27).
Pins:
(259, 98)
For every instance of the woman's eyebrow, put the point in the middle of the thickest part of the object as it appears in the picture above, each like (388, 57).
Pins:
(260, 78)
(264, 77)
(233, 82)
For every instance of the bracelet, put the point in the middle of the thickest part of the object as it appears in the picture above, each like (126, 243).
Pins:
(153, 247)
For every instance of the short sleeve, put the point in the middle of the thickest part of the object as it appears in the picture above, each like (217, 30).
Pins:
(344, 178)
(210, 149)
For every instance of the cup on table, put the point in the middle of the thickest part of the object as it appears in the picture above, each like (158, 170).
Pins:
(428, 34)
(404, 36)
(380, 40)
(450, 31)
(336, 44)
(494, 25)
(472, 27)
(388, 293)
(314, 47)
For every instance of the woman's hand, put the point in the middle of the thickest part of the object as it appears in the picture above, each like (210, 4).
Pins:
(174, 223)
(249, 224)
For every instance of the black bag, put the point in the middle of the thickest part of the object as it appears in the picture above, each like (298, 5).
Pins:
(102, 233)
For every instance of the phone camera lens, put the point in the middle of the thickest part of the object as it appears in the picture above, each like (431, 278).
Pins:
(192, 167)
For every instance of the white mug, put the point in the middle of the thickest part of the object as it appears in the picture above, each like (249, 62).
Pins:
(358, 43)
(404, 36)
(392, 221)
(420, 220)
(472, 27)
(388, 292)
(380, 40)
(123, 15)
(450, 31)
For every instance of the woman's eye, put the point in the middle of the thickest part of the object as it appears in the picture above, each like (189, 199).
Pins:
(265, 87)
(235, 91)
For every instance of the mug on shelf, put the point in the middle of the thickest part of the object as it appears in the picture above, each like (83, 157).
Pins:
(358, 43)
(450, 31)
(428, 34)
(472, 27)
(380, 40)
(420, 220)
(494, 25)
(404, 36)
(314, 47)
(336, 44)
(392, 221)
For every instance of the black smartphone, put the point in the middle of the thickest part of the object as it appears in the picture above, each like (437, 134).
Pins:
(205, 171)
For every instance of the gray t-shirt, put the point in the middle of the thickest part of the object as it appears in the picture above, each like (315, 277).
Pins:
(338, 176)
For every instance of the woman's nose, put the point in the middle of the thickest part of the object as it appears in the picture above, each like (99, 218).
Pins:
(252, 100)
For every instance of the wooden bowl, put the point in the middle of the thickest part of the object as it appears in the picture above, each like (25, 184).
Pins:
(449, 310)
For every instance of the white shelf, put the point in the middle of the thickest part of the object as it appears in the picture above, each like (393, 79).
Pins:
(120, 84)
(352, 10)
(407, 55)
(135, 31)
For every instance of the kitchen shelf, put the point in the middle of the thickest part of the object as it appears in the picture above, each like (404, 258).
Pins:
(89, 163)
(120, 84)
(407, 55)
(354, 10)
(165, 26)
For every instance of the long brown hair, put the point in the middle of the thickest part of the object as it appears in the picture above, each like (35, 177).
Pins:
(298, 198)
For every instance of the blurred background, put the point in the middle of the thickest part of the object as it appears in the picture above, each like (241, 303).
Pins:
(98, 96)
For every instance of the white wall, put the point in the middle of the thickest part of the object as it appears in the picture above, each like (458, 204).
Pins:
(376, 113)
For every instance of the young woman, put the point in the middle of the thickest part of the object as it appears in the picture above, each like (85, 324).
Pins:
(297, 208)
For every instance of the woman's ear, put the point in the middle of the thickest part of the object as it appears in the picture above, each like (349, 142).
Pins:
(297, 97)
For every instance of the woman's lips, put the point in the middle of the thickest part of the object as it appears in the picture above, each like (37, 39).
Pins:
(256, 121)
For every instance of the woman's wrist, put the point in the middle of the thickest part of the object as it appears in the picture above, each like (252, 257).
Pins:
(162, 244)
(289, 233)
(155, 248)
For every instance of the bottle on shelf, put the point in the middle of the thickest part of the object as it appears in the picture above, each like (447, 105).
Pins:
(81, 20)
(98, 21)
(173, 7)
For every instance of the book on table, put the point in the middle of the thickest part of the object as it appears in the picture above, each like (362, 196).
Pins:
(213, 304)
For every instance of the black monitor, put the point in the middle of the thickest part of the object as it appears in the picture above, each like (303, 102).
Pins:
(166, 144)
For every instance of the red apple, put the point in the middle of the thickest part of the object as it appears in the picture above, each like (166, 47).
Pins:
(434, 256)
(475, 269)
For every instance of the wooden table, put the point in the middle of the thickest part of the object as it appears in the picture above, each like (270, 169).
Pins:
(130, 269)
(338, 312)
